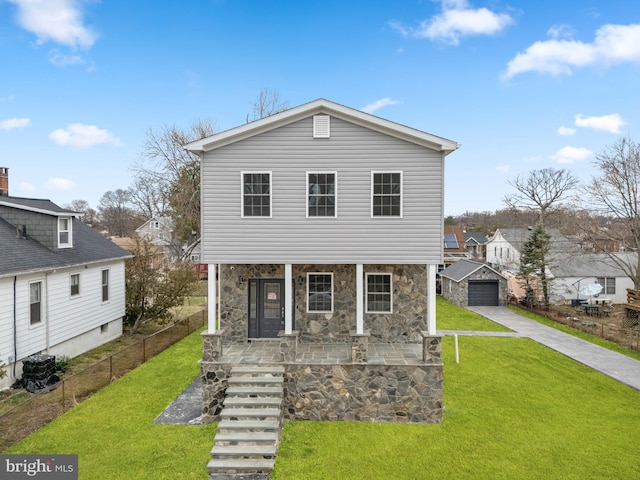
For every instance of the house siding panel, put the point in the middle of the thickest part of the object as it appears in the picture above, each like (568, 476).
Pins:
(352, 151)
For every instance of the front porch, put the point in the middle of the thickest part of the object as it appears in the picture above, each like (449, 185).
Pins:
(361, 381)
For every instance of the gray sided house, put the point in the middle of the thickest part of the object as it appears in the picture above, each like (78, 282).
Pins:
(326, 225)
(61, 283)
(467, 283)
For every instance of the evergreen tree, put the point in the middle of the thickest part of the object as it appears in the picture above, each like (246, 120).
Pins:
(533, 259)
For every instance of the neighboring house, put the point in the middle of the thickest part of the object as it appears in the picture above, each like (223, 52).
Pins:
(62, 287)
(576, 271)
(326, 223)
(505, 245)
(475, 243)
(159, 231)
(454, 246)
(467, 283)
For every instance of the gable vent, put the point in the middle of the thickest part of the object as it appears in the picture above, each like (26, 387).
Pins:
(321, 126)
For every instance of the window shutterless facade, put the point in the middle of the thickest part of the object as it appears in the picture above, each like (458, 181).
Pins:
(256, 194)
(74, 281)
(379, 294)
(105, 285)
(608, 285)
(35, 303)
(321, 194)
(64, 232)
(386, 194)
(319, 292)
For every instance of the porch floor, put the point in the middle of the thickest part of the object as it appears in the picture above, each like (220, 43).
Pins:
(268, 352)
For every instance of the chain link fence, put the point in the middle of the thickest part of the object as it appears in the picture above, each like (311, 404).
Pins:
(27, 416)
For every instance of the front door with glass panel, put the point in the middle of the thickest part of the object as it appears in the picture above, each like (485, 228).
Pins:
(266, 307)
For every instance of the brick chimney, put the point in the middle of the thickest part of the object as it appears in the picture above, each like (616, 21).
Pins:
(4, 181)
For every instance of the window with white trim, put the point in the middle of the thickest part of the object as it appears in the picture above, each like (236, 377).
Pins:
(386, 194)
(154, 225)
(608, 285)
(256, 194)
(64, 232)
(105, 285)
(74, 282)
(319, 292)
(35, 302)
(321, 194)
(379, 293)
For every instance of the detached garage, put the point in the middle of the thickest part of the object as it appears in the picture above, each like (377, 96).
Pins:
(473, 284)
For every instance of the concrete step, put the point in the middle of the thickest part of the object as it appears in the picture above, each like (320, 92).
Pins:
(244, 451)
(227, 425)
(239, 380)
(254, 390)
(240, 412)
(256, 370)
(247, 438)
(240, 465)
(254, 402)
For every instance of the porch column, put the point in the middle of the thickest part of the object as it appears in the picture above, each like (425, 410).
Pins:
(288, 299)
(431, 299)
(212, 293)
(359, 299)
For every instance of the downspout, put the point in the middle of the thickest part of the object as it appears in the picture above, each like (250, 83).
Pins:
(15, 326)
(46, 309)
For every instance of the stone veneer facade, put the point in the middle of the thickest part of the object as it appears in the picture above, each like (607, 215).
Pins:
(404, 325)
(458, 292)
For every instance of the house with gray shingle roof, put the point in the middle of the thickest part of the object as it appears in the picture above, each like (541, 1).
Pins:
(62, 284)
(468, 283)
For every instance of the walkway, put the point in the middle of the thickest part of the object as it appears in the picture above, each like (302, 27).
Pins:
(615, 365)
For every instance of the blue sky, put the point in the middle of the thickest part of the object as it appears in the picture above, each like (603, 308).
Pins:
(521, 85)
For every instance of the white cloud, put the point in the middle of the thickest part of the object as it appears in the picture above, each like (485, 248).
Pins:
(608, 123)
(62, 60)
(26, 187)
(59, 184)
(378, 104)
(570, 154)
(613, 44)
(503, 168)
(560, 31)
(79, 135)
(59, 21)
(532, 159)
(12, 123)
(458, 19)
(567, 131)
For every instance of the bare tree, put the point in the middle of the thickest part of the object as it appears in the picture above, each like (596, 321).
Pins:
(117, 213)
(615, 193)
(541, 191)
(268, 103)
(89, 215)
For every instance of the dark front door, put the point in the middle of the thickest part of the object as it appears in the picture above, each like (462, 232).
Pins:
(266, 307)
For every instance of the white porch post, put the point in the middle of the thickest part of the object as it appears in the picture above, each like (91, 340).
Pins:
(288, 299)
(212, 293)
(431, 299)
(359, 299)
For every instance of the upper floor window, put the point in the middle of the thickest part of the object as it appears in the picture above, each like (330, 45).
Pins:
(74, 281)
(105, 285)
(155, 225)
(64, 232)
(256, 194)
(320, 292)
(35, 302)
(379, 293)
(321, 194)
(386, 193)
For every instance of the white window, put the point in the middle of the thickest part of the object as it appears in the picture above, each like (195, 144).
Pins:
(321, 194)
(154, 225)
(35, 303)
(105, 285)
(386, 194)
(256, 194)
(319, 292)
(379, 293)
(608, 285)
(64, 232)
(195, 257)
(74, 281)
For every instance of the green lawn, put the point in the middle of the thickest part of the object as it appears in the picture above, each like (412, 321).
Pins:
(451, 317)
(514, 409)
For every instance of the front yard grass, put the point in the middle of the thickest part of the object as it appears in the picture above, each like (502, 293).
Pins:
(452, 317)
(514, 409)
